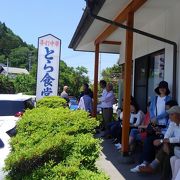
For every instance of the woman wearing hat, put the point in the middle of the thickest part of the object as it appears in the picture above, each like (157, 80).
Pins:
(158, 113)
(158, 116)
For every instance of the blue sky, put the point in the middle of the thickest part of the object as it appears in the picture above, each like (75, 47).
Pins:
(34, 18)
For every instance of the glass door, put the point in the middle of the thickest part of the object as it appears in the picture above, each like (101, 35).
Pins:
(149, 71)
(141, 81)
(156, 71)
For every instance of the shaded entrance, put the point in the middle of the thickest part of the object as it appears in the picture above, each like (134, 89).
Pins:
(149, 71)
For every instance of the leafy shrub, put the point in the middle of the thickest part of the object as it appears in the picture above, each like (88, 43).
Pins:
(52, 102)
(90, 175)
(63, 171)
(54, 144)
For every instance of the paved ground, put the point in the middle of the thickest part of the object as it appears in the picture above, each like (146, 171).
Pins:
(110, 162)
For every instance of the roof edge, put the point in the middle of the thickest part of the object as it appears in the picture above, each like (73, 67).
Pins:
(84, 24)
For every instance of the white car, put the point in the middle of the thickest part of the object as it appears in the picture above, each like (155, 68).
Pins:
(12, 107)
(7, 123)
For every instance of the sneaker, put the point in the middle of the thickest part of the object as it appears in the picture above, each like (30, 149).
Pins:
(118, 146)
(136, 169)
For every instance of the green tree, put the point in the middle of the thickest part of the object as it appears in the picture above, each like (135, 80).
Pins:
(111, 74)
(80, 77)
(23, 55)
(19, 57)
(33, 71)
(6, 85)
(25, 84)
(8, 40)
(72, 77)
(13, 48)
(3, 59)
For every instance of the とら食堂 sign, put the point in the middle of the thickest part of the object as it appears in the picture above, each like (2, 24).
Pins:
(49, 48)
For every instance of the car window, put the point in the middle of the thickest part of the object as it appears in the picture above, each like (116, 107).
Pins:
(10, 108)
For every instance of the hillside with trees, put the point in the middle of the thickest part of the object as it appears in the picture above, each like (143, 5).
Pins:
(17, 53)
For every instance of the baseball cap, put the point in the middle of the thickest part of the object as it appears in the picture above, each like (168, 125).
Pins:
(174, 109)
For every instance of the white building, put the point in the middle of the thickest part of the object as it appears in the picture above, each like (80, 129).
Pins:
(12, 71)
(153, 60)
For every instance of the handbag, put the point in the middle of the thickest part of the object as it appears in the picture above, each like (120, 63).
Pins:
(150, 129)
(177, 151)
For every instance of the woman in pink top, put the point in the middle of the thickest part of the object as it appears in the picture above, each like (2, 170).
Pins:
(139, 134)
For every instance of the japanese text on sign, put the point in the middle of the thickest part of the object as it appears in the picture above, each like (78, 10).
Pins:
(48, 66)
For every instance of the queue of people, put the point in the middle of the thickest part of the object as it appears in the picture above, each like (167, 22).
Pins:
(85, 99)
(163, 135)
(158, 131)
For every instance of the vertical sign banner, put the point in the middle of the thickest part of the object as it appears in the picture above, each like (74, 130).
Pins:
(49, 48)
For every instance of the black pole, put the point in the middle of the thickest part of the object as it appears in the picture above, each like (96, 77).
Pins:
(133, 29)
(144, 34)
(174, 70)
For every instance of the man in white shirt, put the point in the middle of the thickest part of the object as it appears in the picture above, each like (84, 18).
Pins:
(172, 136)
(107, 100)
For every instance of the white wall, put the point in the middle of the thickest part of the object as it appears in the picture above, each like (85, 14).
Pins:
(166, 24)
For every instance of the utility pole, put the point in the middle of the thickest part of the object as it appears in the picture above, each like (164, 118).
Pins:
(7, 64)
(29, 60)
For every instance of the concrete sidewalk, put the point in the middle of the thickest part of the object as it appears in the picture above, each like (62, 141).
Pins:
(110, 163)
